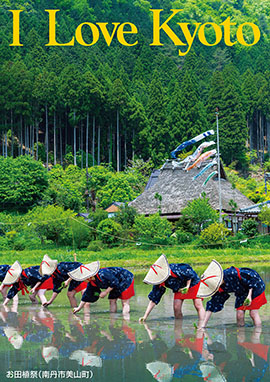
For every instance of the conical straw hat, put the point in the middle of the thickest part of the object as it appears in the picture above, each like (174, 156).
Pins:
(83, 272)
(49, 353)
(159, 272)
(13, 274)
(161, 371)
(211, 372)
(210, 280)
(14, 337)
(86, 359)
(47, 266)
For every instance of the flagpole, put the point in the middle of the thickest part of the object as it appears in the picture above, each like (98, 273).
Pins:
(219, 184)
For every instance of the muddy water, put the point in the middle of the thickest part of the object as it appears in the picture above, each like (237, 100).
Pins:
(53, 344)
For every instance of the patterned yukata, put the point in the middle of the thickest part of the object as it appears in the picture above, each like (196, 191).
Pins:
(237, 281)
(29, 277)
(3, 270)
(61, 274)
(119, 279)
(180, 274)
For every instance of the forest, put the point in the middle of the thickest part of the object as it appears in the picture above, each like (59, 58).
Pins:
(110, 104)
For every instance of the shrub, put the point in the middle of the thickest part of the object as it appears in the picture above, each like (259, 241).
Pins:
(215, 233)
(153, 229)
(183, 236)
(109, 231)
(52, 223)
(250, 227)
(185, 224)
(81, 232)
(95, 246)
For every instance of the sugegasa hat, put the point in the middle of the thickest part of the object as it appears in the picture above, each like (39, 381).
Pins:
(211, 372)
(159, 271)
(86, 359)
(161, 371)
(49, 353)
(85, 271)
(211, 280)
(13, 274)
(14, 337)
(47, 266)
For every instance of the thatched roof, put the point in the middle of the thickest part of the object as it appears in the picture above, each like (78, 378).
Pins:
(177, 188)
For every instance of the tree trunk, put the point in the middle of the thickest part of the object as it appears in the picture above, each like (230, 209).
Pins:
(110, 144)
(66, 133)
(98, 159)
(54, 138)
(74, 139)
(12, 133)
(25, 140)
(81, 145)
(47, 137)
(21, 143)
(125, 150)
(86, 144)
(117, 142)
(93, 139)
(133, 144)
(37, 127)
(60, 141)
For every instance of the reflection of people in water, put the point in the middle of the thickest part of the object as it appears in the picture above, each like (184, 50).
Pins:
(183, 281)
(183, 359)
(248, 287)
(252, 355)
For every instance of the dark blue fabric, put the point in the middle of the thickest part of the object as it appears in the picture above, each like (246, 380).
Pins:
(33, 277)
(184, 272)
(250, 279)
(117, 278)
(3, 270)
(61, 274)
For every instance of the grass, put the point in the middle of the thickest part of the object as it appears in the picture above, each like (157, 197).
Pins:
(139, 259)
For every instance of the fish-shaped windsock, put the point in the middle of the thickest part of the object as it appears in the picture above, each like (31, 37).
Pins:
(198, 152)
(203, 157)
(213, 163)
(209, 177)
(191, 142)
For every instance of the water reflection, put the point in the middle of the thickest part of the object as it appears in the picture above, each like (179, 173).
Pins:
(37, 344)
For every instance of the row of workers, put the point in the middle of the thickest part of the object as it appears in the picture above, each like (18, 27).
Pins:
(118, 283)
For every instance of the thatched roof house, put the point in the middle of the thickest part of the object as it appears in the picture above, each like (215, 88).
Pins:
(177, 187)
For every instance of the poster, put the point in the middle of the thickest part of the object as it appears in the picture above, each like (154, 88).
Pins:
(95, 95)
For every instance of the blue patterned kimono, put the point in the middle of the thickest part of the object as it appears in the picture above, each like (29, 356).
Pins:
(250, 279)
(3, 270)
(61, 274)
(184, 272)
(29, 277)
(117, 278)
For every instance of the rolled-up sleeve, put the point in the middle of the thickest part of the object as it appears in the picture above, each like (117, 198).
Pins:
(156, 293)
(13, 291)
(217, 302)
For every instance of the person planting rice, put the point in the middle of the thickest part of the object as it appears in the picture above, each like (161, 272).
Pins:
(183, 281)
(248, 287)
(4, 288)
(19, 279)
(117, 282)
(60, 277)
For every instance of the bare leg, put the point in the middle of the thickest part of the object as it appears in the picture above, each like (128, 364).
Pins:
(197, 302)
(72, 299)
(113, 306)
(125, 305)
(240, 317)
(177, 307)
(4, 291)
(254, 314)
(41, 295)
